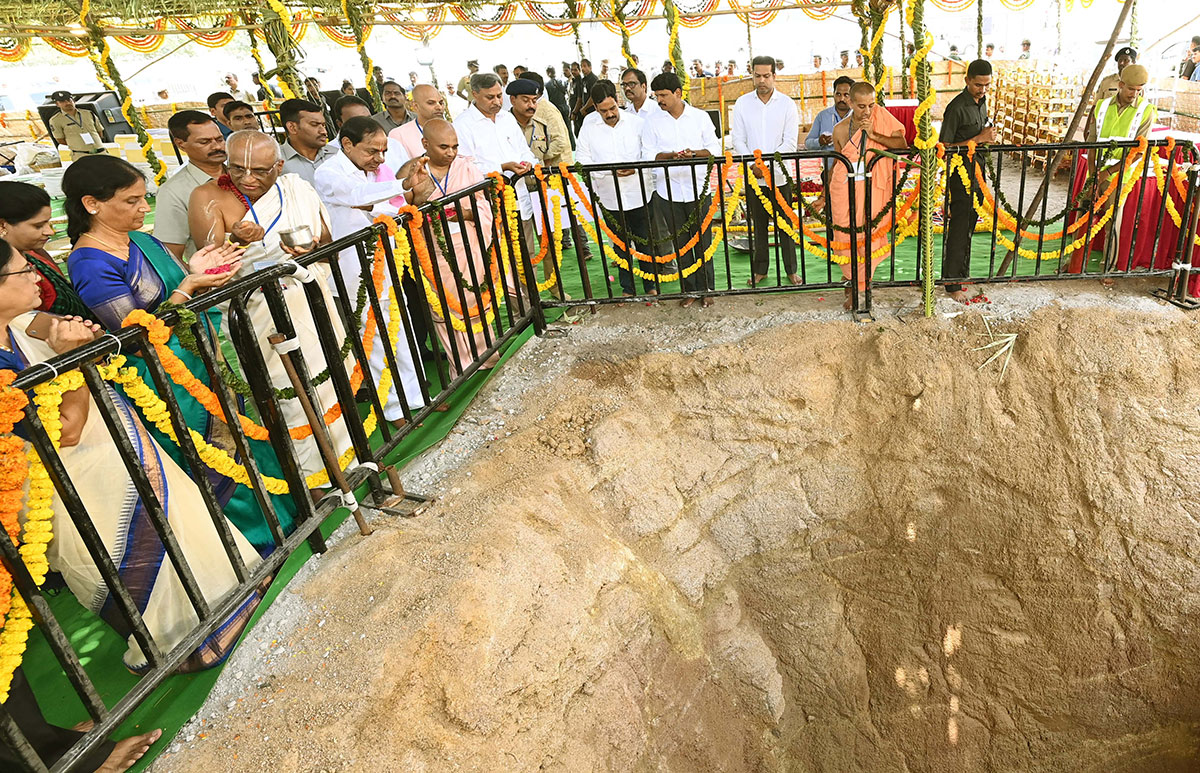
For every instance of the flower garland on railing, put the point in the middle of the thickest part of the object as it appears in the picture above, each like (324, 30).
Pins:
(183, 332)
(404, 254)
(155, 410)
(548, 247)
(14, 467)
(713, 209)
(987, 209)
(635, 269)
(158, 334)
(39, 512)
(959, 167)
(687, 225)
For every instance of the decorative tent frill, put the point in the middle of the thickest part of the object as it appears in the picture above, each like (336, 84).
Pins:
(214, 23)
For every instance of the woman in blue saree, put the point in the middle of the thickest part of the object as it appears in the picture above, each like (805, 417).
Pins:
(117, 269)
(112, 504)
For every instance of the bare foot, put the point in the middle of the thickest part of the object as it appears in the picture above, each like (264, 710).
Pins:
(399, 423)
(687, 302)
(128, 752)
(757, 279)
(441, 408)
(794, 278)
(707, 301)
(960, 296)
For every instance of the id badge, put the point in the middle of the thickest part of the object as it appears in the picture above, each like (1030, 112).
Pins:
(86, 139)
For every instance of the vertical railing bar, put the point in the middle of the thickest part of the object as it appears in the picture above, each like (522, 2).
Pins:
(154, 508)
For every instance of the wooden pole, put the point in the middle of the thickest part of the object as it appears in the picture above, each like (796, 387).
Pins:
(317, 422)
(1076, 119)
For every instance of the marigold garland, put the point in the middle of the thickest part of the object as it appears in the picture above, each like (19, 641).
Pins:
(39, 512)
(713, 209)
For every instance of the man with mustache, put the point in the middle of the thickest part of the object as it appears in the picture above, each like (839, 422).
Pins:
(199, 138)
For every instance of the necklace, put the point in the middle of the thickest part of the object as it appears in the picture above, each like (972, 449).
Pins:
(107, 245)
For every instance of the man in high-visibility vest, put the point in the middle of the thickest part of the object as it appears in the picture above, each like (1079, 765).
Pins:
(1124, 116)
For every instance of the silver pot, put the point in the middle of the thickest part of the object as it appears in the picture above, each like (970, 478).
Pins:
(300, 237)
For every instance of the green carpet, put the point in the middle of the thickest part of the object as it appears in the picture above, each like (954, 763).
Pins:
(732, 267)
(179, 697)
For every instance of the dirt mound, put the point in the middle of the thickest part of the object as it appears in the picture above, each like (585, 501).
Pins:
(826, 547)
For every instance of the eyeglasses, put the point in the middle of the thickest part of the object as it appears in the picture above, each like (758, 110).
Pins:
(26, 270)
(257, 172)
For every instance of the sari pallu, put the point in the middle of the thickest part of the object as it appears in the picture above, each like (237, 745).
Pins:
(120, 517)
(113, 287)
(58, 295)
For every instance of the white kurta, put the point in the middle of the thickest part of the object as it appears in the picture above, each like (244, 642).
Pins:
(490, 144)
(692, 130)
(600, 143)
(343, 188)
(292, 202)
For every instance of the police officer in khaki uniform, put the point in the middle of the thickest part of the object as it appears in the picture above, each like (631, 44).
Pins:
(1108, 84)
(79, 130)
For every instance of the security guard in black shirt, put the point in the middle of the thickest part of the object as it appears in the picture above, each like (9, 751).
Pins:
(964, 120)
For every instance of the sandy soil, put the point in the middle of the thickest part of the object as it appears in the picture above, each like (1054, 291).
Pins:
(759, 538)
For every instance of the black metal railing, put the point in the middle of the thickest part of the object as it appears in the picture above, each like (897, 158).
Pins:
(414, 310)
(467, 286)
(838, 248)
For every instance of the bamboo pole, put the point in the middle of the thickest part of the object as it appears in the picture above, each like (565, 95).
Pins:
(107, 73)
(1076, 119)
(354, 11)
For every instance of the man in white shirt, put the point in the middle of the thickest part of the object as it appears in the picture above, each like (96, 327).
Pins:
(766, 120)
(637, 100)
(307, 145)
(681, 132)
(493, 139)
(355, 186)
(624, 194)
(348, 107)
(197, 135)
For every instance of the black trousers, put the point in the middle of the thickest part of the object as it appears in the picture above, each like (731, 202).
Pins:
(960, 227)
(50, 742)
(633, 226)
(668, 216)
(760, 256)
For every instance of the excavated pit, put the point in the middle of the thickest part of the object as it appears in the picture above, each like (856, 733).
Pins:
(825, 547)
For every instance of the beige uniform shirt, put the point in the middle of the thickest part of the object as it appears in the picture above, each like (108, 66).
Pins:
(1107, 87)
(80, 132)
(560, 142)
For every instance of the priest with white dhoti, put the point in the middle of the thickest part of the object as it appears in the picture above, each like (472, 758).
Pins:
(253, 205)
(356, 186)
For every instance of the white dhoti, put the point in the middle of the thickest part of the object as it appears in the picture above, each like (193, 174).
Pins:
(294, 203)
